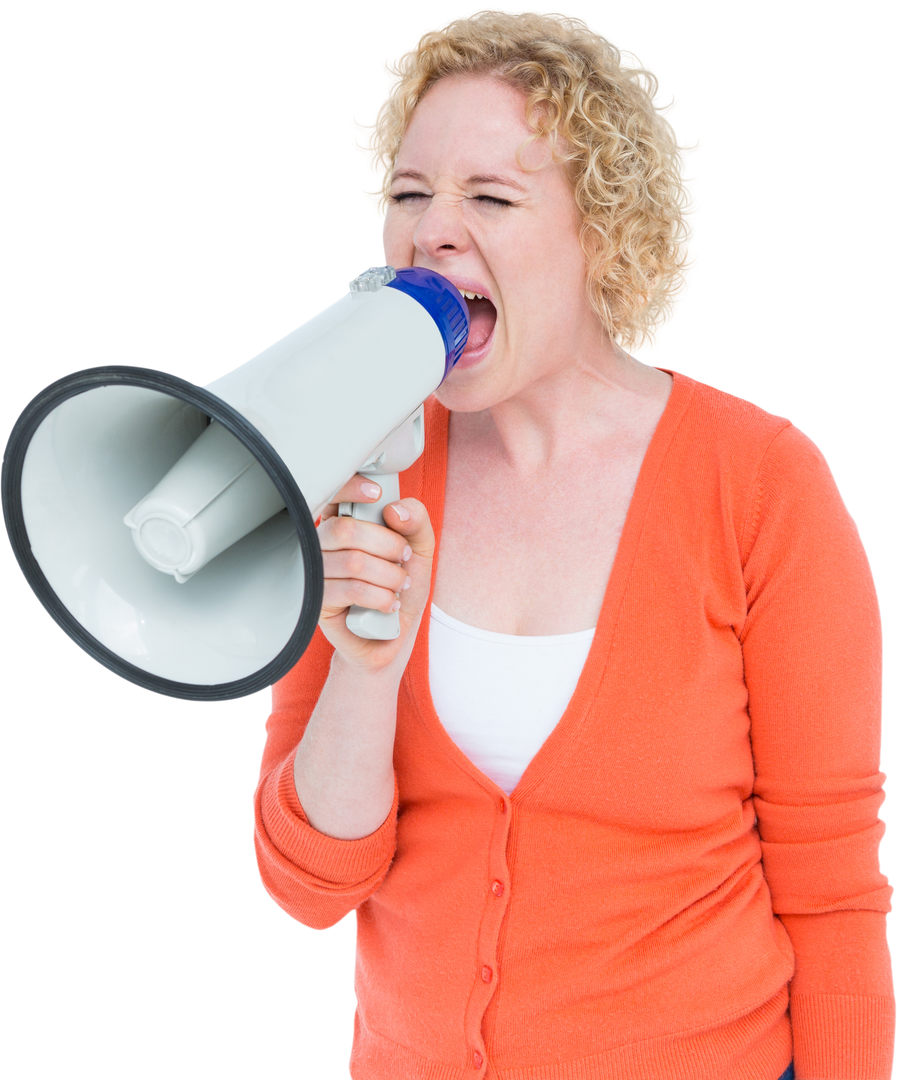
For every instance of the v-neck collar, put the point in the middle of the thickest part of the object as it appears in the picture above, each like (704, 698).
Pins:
(590, 679)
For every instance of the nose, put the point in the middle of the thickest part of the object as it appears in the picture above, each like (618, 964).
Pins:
(440, 229)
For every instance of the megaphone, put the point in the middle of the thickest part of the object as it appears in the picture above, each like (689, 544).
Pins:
(169, 529)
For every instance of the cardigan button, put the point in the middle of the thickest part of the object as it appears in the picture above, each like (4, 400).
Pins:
(487, 974)
(477, 1060)
(497, 888)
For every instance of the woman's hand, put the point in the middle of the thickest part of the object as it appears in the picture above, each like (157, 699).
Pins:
(375, 566)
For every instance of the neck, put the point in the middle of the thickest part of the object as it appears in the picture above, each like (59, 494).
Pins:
(584, 404)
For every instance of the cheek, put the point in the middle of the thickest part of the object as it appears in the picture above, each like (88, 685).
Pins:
(391, 253)
(397, 241)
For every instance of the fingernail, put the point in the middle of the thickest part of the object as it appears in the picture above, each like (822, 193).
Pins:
(406, 554)
(371, 491)
(396, 606)
(407, 584)
(401, 511)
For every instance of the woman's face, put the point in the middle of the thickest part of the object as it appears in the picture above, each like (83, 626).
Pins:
(460, 204)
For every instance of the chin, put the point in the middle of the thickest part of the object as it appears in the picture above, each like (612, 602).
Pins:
(482, 379)
(462, 399)
(470, 390)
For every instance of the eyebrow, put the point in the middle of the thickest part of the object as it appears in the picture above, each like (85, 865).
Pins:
(480, 178)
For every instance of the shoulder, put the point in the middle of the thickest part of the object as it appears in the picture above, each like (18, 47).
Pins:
(742, 433)
(725, 418)
(754, 466)
(744, 427)
(789, 499)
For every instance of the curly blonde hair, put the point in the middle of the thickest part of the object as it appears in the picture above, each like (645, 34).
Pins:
(599, 118)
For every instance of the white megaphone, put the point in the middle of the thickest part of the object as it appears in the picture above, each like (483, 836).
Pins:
(170, 529)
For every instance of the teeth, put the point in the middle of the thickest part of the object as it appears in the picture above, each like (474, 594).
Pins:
(468, 295)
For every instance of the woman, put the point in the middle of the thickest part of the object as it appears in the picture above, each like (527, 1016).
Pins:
(608, 806)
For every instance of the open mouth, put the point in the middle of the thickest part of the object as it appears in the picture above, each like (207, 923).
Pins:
(482, 324)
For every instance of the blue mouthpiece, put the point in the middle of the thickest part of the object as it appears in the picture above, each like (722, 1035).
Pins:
(443, 302)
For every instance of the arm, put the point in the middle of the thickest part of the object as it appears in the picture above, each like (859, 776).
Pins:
(343, 765)
(812, 657)
(316, 878)
(327, 802)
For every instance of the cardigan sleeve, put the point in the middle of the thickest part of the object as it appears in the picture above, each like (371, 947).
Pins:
(812, 661)
(316, 878)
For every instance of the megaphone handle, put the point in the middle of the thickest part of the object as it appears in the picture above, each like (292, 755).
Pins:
(367, 622)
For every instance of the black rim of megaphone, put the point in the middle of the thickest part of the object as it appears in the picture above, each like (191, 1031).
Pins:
(79, 382)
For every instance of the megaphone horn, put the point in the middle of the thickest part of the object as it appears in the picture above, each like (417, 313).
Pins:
(170, 529)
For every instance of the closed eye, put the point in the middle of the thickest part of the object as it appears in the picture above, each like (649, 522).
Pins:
(411, 196)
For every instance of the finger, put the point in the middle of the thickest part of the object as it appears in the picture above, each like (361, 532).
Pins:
(341, 593)
(409, 518)
(346, 533)
(359, 564)
(358, 489)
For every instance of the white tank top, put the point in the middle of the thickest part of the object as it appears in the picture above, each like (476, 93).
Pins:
(499, 696)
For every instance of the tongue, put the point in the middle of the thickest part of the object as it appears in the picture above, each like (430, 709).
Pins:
(482, 322)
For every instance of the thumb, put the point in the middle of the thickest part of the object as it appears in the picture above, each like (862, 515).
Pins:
(410, 519)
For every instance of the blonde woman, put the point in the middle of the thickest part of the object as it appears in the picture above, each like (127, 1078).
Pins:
(608, 807)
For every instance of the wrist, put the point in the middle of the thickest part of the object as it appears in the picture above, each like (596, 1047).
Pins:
(380, 681)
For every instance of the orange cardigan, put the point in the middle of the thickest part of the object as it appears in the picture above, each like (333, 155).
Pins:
(685, 884)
